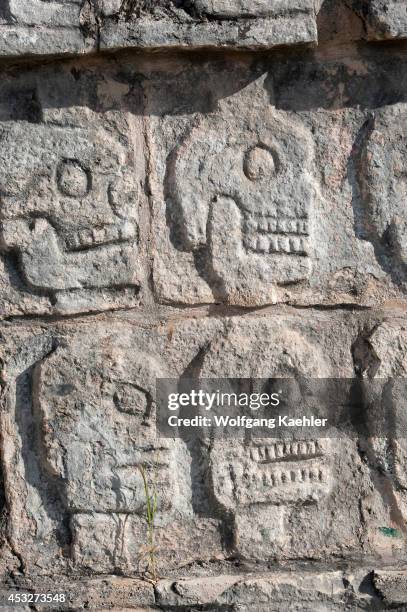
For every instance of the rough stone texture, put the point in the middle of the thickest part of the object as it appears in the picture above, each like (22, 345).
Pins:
(383, 19)
(108, 592)
(392, 586)
(43, 27)
(77, 419)
(261, 200)
(383, 188)
(258, 181)
(253, 24)
(71, 180)
(382, 354)
(313, 591)
(206, 210)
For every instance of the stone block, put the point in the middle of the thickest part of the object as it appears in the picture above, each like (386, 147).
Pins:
(313, 590)
(40, 27)
(207, 23)
(71, 193)
(245, 215)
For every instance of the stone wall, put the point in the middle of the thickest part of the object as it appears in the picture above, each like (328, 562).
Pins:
(211, 188)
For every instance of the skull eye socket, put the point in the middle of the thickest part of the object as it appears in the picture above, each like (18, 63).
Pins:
(73, 180)
(260, 163)
(130, 399)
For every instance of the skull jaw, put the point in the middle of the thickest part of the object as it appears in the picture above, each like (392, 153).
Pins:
(246, 275)
(260, 486)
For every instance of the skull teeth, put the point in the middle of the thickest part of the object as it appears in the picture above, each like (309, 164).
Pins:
(277, 244)
(286, 451)
(265, 234)
(280, 226)
(91, 237)
(277, 478)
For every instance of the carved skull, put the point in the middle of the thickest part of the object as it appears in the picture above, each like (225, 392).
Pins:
(241, 191)
(68, 205)
(257, 480)
(97, 410)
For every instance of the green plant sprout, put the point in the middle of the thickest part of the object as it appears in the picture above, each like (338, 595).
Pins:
(151, 509)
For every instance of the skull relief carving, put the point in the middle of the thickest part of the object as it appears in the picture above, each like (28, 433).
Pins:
(97, 429)
(258, 480)
(240, 192)
(68, 206)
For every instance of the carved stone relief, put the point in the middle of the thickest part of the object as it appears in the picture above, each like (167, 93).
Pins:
(383, 185)
(258, 480)
(69, 208)
(240, 199)
(79, 421)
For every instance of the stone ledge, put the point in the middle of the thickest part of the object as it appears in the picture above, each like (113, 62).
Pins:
(324, 589)
(269, 591)
(38, 28)
(101, 593)
(35, 28)
(235, 31)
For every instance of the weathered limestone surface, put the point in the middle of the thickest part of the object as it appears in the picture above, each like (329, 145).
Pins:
(78, 418)
(71, 182)
(383, 20)
(313, 591)
(254, 24)
(258, 181)
(57, 27)
(41, 27)
(231, 205)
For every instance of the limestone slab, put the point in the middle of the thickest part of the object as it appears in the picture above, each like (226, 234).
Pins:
(71, 183)
(311, 591)
(260, 199)
(39, 27)
(207, 23)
